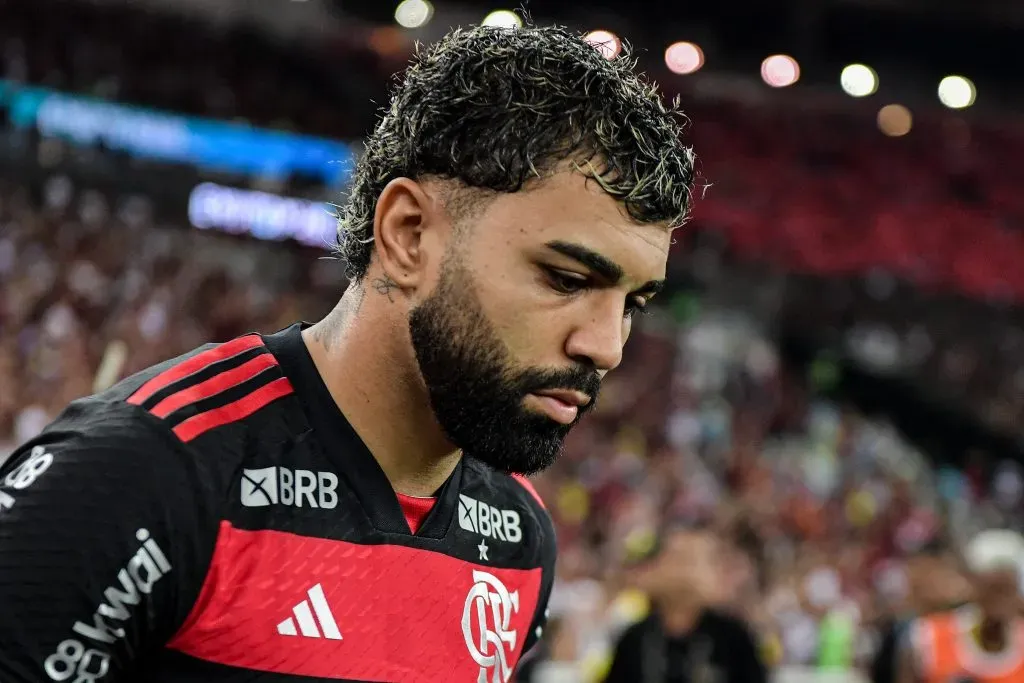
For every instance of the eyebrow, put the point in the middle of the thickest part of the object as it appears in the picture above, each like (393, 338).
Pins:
(600, 264)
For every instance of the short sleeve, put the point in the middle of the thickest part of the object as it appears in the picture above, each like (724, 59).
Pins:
(107, 527)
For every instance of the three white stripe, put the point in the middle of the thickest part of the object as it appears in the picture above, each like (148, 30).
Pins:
(304, 616)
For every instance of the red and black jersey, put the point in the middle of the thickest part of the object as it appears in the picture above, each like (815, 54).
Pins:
(216, 518)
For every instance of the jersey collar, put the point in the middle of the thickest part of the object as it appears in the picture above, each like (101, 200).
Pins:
(344, 447)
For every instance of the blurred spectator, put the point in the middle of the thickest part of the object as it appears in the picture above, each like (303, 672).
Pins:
(982, 640)
(934, 583)
(685, 639)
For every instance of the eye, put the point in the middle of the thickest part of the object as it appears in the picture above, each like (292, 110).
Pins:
(565, 282)
(636, 305)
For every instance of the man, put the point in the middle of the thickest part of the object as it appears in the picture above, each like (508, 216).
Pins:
(933, 585)
(334, 502)
(684, 639)
(982, 642)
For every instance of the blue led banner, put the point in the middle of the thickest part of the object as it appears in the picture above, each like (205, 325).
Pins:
(262, 215)
(149, 133)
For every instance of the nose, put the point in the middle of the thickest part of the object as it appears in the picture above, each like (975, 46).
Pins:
(598, 338)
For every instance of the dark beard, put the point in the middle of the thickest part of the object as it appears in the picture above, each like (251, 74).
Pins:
(475, 389)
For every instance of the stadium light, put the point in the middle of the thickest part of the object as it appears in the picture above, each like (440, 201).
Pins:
(413, 13)
(895, 120)
(957, 92)
(859, 80)
(503, 18)
(684, 58)
(606, 42)
(780, 71)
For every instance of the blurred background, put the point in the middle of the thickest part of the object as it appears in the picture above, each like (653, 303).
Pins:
(835, 378)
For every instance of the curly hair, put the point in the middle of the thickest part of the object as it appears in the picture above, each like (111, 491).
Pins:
(493, 108)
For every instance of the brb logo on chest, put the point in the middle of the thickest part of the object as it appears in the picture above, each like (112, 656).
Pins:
(481, 518)
(282, 486)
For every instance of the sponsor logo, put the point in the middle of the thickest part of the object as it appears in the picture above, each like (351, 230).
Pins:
(282, 486)
(73, 659)
(486, 618)
(307, 623)
(481, 518)
(25, 474)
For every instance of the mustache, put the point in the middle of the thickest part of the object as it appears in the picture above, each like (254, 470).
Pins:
(577, 378)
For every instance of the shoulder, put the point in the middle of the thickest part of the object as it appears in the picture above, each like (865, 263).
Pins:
(103, 429)
(523, 490)
(104, 475)
(211, 392)
(635, 631)
(101, 453)
(217, 399)
(176, 418)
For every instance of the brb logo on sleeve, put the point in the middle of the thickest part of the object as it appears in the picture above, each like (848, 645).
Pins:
(481, 518)
(282, 486)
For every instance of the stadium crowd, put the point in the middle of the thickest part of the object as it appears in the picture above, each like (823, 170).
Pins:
(704, 423)
(124, 53)
(819, 504)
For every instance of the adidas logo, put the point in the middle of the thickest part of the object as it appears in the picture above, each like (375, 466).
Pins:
(303, 615)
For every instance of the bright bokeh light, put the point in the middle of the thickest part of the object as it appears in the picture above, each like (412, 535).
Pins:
(413, 13)
(895, 120)
(606, 42)
(503, 18)
(957, 92)
(780, 71)
(859, 80)
(684, 58)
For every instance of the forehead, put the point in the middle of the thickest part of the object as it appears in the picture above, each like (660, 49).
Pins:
(689, 542)
(570, 207)
(924, 562)
(998, 578)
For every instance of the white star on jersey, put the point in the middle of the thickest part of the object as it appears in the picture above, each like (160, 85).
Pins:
(483, 550)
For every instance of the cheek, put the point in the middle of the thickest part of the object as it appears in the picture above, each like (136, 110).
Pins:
(512, 304)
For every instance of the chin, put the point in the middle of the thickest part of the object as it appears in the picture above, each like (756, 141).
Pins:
(530, 463)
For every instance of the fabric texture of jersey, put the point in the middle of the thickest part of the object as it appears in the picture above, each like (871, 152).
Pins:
(216, 518)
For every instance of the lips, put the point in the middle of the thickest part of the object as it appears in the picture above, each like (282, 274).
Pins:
(567, 396)
(561, 405)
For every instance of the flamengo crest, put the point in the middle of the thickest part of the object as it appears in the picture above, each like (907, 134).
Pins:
(490, 640)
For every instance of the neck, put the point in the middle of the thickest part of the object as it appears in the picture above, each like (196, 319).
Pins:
(679, 617)
(372, 376)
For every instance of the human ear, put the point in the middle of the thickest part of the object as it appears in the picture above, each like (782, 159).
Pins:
(404, 213)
